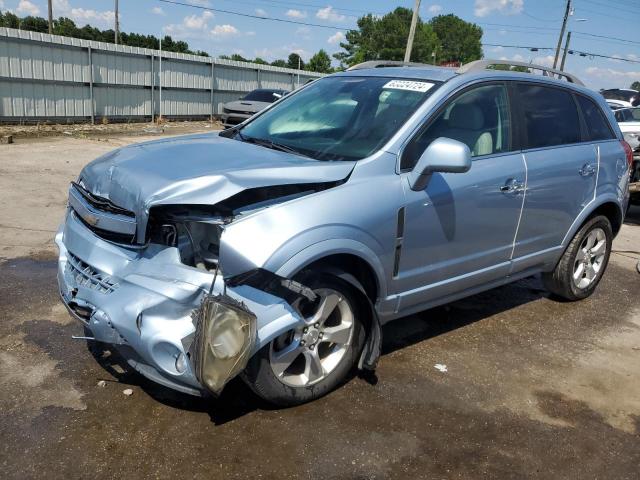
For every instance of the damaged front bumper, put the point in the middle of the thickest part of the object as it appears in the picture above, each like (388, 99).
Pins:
(142, 302)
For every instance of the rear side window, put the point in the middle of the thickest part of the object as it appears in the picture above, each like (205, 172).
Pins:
(549, 115)
(597, 125)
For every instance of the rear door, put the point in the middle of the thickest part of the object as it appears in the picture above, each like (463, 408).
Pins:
(562, 170)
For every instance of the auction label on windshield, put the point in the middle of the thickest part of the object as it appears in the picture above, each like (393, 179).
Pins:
(408, 85)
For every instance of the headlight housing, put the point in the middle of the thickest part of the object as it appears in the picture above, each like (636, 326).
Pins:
(225, 335)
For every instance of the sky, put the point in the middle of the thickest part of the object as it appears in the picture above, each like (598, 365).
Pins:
(526, 23)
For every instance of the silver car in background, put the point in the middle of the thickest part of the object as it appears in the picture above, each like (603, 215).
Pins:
(239, 110)
(277, 249)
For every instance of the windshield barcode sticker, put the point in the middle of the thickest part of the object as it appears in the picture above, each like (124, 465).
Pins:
(408, 85)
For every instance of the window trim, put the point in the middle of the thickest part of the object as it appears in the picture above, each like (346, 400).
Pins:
(433, 115)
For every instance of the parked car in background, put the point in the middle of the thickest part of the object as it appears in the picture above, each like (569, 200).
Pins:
(276, 249)
(629, 122)
(239, 110)
(615, 105)
(624, 97)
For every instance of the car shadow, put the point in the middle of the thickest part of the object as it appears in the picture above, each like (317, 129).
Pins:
(238, 400)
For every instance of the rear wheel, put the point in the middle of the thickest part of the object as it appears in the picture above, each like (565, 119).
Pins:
(312, 359)
(584, 261)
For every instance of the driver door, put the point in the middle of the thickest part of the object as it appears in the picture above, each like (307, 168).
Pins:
(459, 231)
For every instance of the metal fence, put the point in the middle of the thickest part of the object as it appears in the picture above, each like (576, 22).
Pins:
(51, 77)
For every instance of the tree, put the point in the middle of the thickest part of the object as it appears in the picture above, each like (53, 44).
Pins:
(279, 63)
(320, 62)
(295, 61)
(460, 41)
(635, 86)
(385, 38)
(66, 27)
(260, 61)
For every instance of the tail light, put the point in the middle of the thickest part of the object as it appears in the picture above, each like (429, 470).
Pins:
(628, 152)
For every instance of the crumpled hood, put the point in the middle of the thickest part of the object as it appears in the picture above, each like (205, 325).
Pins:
(197, 169)
(246, 106)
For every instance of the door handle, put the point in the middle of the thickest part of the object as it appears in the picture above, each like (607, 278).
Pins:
(512, 186)
(587, 170)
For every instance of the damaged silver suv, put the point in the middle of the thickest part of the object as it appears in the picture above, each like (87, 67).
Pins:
(275, 250)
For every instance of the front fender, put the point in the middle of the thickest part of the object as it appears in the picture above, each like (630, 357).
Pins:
(335, 246)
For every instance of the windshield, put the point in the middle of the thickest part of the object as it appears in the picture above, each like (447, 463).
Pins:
(269, 96)
(339, 118)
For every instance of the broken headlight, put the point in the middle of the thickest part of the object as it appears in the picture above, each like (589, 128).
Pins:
(225, 334)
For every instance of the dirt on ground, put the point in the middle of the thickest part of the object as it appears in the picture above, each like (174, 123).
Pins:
(533, 387)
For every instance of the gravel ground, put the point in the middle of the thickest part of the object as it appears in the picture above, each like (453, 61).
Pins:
(533, 388)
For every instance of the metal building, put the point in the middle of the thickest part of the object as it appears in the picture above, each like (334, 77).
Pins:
(49, 77)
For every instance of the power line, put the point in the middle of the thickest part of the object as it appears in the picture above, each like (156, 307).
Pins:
(572, 51)
(257, 17)
(608, 38)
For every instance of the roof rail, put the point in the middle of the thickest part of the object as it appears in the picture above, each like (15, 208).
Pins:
(479, 65)
(386, 63)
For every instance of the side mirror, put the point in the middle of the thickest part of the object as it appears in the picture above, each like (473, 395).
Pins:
(443, 155)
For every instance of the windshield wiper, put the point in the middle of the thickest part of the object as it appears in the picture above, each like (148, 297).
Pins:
(270, 144)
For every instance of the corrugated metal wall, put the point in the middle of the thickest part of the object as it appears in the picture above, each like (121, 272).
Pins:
(47, 76)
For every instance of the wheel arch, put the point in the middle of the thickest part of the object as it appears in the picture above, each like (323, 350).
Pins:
(607, 206)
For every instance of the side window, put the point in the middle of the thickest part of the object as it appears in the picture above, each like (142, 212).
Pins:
(597, 125)
(549, 114)
(479, 118)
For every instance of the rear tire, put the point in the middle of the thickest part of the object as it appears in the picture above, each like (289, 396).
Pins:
(304, 364)
(583, 263)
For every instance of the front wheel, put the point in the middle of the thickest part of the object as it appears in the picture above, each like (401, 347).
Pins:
(312, 359)
(584, 261)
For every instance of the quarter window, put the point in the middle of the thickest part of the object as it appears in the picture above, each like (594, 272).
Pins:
(549, 114)
(478, 118)
(597, 125)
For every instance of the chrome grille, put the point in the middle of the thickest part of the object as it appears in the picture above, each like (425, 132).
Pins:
(87, 276)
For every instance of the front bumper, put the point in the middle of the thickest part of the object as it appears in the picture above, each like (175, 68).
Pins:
(141, 301)
(232, 118)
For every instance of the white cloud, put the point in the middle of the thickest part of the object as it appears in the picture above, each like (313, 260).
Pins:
(328, 13)
(224, 30)
(303, 32)
(611, 73)
(292, 13)
(25, 7)
(434, 9)
(192, 26)
(158, 11)
(504, 7)
(195, 22)
(497, 49)
(261, 13)
(105, 18)
(336, 38)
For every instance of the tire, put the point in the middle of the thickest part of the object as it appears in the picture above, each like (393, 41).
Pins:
(304, 380)
(583, 263)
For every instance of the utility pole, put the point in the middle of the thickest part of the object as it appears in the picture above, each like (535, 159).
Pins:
(117, 25)
(412, 31)
(566, 49)
(564, 25)
(50, 18)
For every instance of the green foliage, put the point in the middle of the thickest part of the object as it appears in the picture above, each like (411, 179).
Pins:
(635, 85)
(279, 63)
(294, 61)
(68, 28)
(460, 41)
(320, 62)
(260, 61)
(385, 38)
